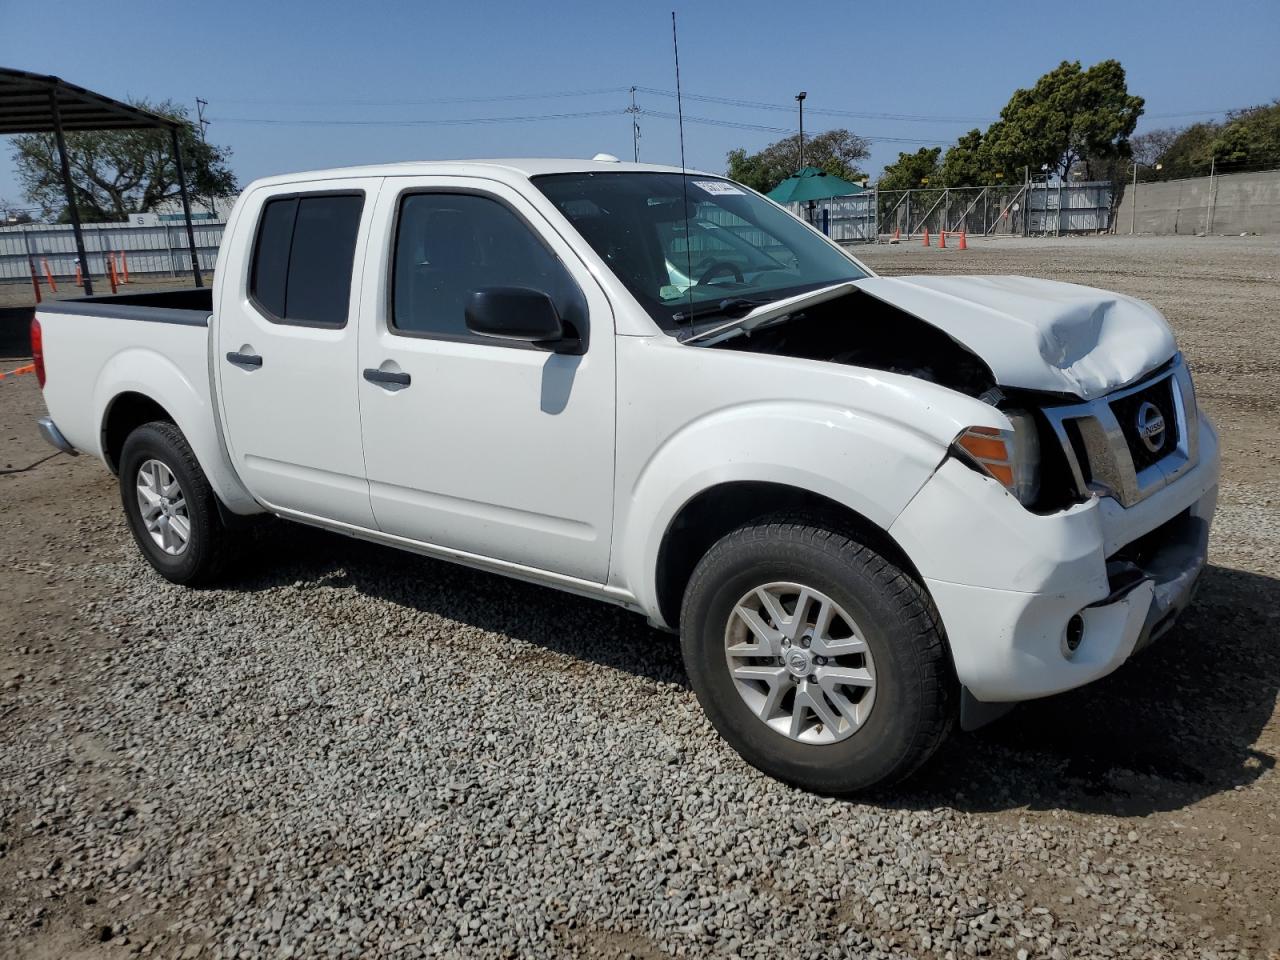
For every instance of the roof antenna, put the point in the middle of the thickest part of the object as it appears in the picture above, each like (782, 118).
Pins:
(684, 179)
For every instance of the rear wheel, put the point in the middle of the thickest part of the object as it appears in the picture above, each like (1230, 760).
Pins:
(171, 509)
(817, 659)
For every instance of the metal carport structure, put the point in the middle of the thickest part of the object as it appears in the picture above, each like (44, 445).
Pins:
(36, 103)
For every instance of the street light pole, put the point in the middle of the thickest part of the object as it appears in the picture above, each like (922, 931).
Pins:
(800, 100)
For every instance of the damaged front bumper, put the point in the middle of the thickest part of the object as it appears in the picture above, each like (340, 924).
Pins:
(1037, 604)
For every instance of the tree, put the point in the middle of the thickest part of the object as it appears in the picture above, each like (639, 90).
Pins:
(968, 163)
(1189, 154)
(1070, 115)
(1150, 148)
(1250, 138)
(836, 152)
(749, 168)
(1246, 140)
(912, 170)
(118, 172)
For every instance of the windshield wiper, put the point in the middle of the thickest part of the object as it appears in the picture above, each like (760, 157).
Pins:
(728, 307)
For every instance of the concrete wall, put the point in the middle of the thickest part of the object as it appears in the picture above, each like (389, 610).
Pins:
(1230, 204)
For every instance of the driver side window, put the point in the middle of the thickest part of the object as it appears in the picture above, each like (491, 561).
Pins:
(448, 245)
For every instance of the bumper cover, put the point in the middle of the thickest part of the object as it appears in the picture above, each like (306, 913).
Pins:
(1008, 582)
(53, 436)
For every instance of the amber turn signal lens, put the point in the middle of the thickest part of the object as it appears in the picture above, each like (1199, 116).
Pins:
(989, 449)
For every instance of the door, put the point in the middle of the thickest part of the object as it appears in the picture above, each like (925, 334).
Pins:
(286, 350)
(496, 448)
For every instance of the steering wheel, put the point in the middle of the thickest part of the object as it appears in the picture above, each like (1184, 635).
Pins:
(718, 267)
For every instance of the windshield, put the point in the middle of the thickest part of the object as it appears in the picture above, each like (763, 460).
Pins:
(680, 259)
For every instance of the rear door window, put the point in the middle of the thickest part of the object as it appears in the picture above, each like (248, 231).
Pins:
(304, 256)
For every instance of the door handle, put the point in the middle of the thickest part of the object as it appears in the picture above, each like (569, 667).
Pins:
(250, 361)
(373, 375)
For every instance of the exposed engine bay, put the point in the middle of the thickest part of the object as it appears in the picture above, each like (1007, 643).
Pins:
(860, 330)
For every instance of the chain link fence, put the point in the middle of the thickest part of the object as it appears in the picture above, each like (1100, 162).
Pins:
(997, 210)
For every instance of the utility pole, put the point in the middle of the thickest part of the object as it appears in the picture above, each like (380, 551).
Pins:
(203, 125)
(200, 105)
(1133, 206)
(635, 127)
(800, 100)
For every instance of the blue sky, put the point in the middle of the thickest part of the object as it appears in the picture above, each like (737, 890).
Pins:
(950, 64)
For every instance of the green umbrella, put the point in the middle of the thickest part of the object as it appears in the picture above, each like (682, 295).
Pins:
(812, 183)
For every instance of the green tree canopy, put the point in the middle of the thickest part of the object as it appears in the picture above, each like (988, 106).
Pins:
(836, 152)
(913, 170)
(968, 163)
(1248, 139)
(118, 172)
(1071, 116)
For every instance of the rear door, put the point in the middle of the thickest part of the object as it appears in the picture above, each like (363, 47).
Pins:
(287, 345)
(491, 447)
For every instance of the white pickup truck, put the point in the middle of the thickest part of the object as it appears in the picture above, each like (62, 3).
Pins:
(870, 506)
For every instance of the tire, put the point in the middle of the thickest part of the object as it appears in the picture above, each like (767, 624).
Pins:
(888, 727)
(201, 558)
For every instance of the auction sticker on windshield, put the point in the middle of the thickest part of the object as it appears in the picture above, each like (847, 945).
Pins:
(717, 187)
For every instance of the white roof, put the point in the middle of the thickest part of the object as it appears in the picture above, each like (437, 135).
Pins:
(522, 167)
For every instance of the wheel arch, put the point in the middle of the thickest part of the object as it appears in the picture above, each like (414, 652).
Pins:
(138, 385)
(719, 509)
(126, 412)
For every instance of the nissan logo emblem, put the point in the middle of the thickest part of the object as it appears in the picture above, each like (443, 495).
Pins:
(1151, 426)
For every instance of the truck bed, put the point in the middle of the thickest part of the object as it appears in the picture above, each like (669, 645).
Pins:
(191, 306)
(152, 344)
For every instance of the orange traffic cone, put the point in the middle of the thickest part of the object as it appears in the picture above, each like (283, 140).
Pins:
(111, 272)
(79, 277)
(942, 239)
(926, 236)
(964, 245)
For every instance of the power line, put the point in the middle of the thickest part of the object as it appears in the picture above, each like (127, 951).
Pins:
(499, 98)
(1189, 113)
(743, 125)
(460, 121)
(787, 108)
(736, 102)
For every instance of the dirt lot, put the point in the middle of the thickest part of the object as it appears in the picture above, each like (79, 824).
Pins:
(351, 752)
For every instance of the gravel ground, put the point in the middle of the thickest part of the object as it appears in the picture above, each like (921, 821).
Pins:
(353, 752)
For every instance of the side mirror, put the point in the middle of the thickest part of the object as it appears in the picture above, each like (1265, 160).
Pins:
(518, 313)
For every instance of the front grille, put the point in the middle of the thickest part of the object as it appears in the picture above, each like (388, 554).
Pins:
(1129, 410)
(1103, 439)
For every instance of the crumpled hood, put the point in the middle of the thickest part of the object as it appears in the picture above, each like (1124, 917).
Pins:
(1038, 334)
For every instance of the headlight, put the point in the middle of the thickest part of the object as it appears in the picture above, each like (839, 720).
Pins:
(1011, 457)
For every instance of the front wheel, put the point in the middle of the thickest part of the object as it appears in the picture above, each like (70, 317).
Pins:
(817, 659)
(171, 509)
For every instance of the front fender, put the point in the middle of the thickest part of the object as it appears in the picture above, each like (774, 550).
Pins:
(870, 465)
(151, 374)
